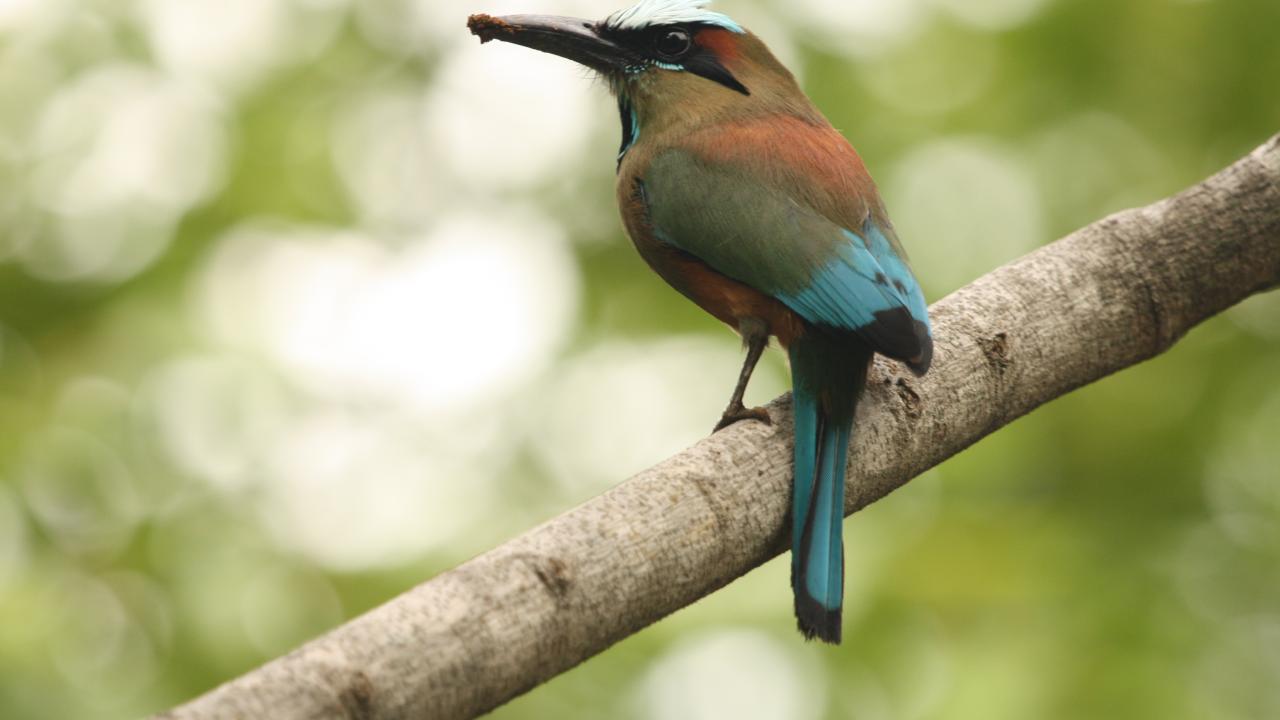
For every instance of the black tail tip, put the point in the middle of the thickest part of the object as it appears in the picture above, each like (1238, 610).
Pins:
(818, 623)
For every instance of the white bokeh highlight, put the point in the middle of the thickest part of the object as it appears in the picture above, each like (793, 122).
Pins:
(283, 607)
(460, 317)
(859, 28)
(356, 492)
(101, 649)
(1094, 163)
(33, 21)
(411, 27)
(931, 83)
(503, 116)
(992, 15)
(395, 364)
(215, 416)
(964, 206)
(387, 164)
(120, 154)
(80, 491)
(623, 406)
(234, 44)
(740, 674)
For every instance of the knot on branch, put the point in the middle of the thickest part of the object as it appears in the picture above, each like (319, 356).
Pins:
(357, 697)
(996, 350)
(553, 573)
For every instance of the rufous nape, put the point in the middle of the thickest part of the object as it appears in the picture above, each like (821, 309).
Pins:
(742, 196)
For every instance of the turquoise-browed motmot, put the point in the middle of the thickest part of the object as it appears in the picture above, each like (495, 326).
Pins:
(739, 193)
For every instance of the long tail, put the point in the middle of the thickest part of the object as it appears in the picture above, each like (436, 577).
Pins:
(827, 376)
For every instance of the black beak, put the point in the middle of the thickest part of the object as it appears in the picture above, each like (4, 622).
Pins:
(578, 40)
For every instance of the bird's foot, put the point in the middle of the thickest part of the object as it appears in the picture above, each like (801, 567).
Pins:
(736, 412)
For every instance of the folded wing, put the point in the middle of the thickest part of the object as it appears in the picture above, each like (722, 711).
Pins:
(844, 279)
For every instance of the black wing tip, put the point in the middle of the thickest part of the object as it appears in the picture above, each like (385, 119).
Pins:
(817, 622)
(896, 334)
(923, 359)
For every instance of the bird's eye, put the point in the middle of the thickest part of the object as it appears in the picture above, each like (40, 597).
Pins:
(673, 43)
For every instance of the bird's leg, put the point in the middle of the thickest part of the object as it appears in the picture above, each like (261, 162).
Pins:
(756, 337)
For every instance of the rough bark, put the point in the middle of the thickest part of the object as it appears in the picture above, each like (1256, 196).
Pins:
(1106, 297)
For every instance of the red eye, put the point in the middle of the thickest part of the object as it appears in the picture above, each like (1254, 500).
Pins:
(673, 43)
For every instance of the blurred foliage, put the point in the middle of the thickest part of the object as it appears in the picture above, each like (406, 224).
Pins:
(304, 301)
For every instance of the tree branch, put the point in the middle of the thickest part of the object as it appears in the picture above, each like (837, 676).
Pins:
(1106, 297)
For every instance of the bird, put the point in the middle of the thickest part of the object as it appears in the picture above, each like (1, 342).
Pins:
(741, 195)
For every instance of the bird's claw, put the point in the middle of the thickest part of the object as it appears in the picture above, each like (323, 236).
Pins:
(734, 414)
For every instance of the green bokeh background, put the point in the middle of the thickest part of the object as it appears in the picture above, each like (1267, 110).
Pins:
(1114, 555)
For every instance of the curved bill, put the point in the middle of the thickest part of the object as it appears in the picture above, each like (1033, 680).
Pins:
(567, 37)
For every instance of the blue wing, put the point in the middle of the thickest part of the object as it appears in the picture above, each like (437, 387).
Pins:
(868, 288)
(847, 279)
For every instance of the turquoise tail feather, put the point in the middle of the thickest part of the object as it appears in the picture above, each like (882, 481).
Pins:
(827, 379)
